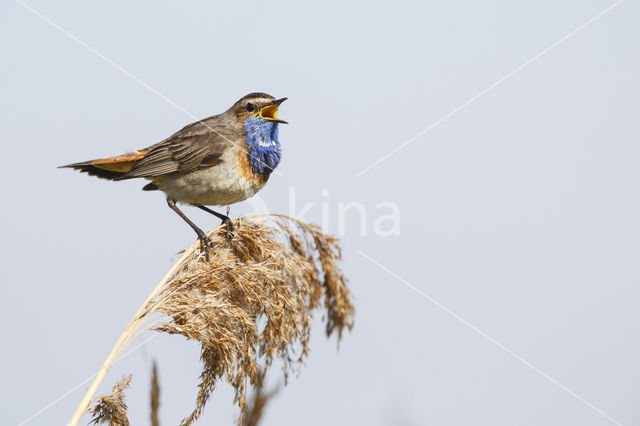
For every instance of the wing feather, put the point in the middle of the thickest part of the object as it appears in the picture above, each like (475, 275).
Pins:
(192, 148)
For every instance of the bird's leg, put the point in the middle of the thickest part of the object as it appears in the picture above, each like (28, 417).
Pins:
(205, 242)
(225, 219)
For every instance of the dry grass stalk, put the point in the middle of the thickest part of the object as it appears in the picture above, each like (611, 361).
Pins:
(155, 396)
(249, 305)
(111, 409)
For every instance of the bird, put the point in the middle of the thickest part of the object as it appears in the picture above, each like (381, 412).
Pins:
(216, 161)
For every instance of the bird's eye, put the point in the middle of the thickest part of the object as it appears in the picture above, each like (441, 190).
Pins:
(250, 107)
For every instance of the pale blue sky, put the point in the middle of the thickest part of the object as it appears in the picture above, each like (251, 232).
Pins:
(519, 213)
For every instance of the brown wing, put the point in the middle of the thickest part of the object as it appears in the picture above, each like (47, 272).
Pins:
(192, 148)
(198, 145)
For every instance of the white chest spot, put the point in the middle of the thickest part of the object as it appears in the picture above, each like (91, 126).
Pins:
(264, 144)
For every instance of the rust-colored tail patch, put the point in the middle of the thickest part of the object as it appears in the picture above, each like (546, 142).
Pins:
(119, 163)
(111, 167)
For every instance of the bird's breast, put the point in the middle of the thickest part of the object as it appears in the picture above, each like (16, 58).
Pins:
(246, 169)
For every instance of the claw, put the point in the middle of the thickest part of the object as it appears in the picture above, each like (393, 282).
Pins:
(205, 244)
(228, 223)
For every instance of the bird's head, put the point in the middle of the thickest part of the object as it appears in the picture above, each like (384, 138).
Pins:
(257, 106)
(256, 113)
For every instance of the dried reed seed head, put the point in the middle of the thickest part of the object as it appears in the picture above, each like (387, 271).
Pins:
(111, 409)
(251, 303)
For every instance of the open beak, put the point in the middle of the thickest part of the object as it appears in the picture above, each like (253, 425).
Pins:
(269, 112)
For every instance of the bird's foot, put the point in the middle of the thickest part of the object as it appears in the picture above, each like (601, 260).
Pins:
(205, 244)
(228, 223)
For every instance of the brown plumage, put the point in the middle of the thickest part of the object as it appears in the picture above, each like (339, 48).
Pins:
(194, 147)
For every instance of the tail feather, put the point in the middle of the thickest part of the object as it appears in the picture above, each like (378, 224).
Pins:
(91, 170)
(112, 168)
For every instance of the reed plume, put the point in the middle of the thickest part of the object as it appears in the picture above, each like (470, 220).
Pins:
(248, 305)
(111, 409)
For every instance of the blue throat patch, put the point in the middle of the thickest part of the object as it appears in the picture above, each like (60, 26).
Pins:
(264, 148)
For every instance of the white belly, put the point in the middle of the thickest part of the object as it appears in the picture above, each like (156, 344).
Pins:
(223, 184)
